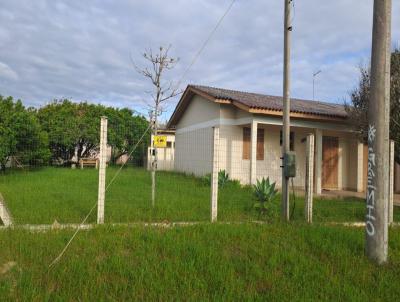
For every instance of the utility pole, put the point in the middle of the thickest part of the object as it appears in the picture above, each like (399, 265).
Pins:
(313, 83)
(378, 136)
(286, 108)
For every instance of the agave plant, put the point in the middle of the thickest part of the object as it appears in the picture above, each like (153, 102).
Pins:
(223, 178)
(265, 193)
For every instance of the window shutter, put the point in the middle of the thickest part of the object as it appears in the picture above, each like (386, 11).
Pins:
(246, 143)
(260, 144)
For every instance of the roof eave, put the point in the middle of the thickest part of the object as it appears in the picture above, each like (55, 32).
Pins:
(191, 90)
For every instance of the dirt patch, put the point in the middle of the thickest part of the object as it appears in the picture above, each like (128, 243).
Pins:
(6, 267)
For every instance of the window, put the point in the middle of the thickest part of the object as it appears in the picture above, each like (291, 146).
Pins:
(247, 144)
(169, 144)
(291, 140)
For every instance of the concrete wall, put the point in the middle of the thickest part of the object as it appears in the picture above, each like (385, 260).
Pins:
(199, 110)
(193, 141)
(193, 153)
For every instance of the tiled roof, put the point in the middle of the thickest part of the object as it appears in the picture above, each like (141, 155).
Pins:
(268, 102)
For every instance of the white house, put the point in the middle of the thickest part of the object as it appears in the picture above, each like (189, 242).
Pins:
(250, 138)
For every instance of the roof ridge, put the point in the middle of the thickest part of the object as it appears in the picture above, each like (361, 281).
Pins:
(266, 95)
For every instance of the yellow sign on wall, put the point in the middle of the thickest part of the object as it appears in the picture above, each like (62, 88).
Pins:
(160, 141)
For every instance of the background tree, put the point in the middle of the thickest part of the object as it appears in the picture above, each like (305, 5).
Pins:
(163, 90)
(359, 96)
(21, 137)
(73, 130)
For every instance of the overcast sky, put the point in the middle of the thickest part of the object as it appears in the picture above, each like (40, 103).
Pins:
(81, 49)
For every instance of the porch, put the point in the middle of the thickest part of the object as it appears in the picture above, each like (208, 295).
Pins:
(252, 149)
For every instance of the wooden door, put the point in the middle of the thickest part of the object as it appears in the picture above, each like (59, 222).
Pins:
(330, 161)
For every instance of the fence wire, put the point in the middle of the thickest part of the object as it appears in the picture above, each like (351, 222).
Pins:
(48, 170)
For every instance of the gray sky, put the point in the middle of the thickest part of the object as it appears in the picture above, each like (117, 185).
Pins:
(81, 49)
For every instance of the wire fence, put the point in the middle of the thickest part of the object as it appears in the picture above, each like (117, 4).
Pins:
(54, 175)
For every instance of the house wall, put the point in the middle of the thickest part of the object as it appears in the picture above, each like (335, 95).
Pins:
(194, 144)
(230, 155)
(193, 152)
(348, 159)
(199, 110)
(231, 150)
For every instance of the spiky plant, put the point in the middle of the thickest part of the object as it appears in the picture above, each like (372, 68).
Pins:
(265, 193)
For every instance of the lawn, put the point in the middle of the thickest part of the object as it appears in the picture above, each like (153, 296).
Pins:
(236, 261)
(66, 195)
(241, 262)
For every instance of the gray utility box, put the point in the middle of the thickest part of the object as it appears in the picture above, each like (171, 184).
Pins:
(289, 164)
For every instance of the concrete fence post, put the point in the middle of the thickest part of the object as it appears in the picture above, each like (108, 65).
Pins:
(5, 215)
(102, 170)
(309, 178)
(214, 175)
(391, 182)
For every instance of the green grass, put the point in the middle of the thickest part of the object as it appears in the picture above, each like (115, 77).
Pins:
(222, 262)
(246, 262)
(66, 195)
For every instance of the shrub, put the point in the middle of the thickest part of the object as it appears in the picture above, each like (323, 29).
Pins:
(265, 193)
(223, 179)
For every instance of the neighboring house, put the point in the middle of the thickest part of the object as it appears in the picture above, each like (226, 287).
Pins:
(250, 138)
(165, 159)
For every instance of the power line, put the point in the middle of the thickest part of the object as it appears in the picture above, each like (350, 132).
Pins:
(197, 55)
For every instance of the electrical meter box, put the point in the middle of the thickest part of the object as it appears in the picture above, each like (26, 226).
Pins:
(289, 164)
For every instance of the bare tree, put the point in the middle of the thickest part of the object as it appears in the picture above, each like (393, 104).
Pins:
(159, 62)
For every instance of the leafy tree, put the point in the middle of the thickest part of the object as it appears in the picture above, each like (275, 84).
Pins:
(21, 137)
(73, 129)
(358, 109)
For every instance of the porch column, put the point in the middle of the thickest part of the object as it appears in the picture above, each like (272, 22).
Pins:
(360, 167)
(318, 161)
(253, 155)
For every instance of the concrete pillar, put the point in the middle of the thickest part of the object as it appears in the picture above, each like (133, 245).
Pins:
(5, 215)
(391, 182)
(309, 178)
(102, 170)
(360, 167)
(318, 161)
(214, 175)
(253, 155)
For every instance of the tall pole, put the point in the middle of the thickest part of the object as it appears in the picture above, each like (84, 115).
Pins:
(286, 108)
(378, 136)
